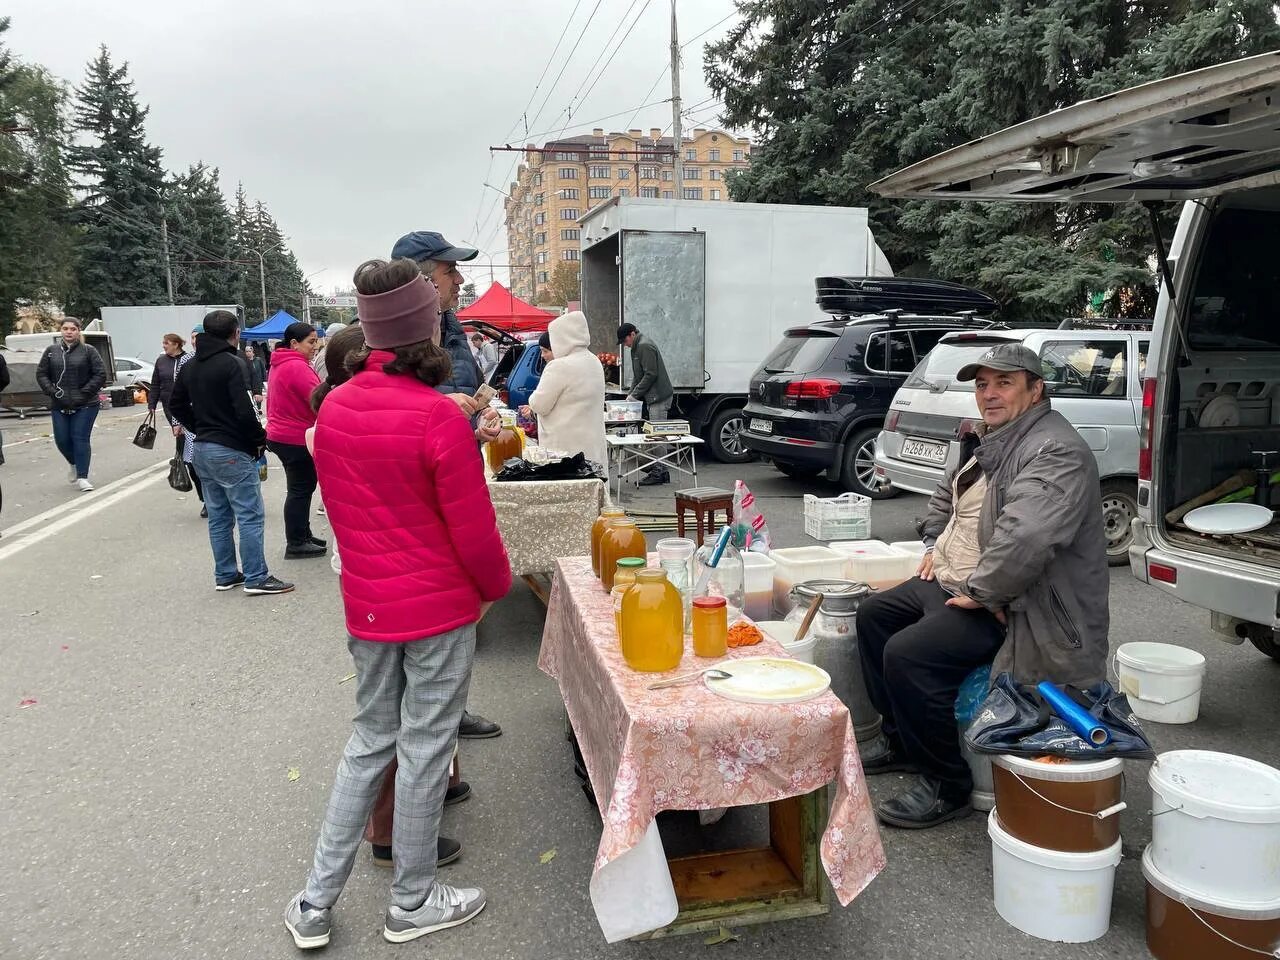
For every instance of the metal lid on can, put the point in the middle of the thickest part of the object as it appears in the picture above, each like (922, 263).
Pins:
(838, 596)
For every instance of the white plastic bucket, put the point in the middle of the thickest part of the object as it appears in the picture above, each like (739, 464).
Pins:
(784, 632)
(1162, 681)
(1063, 897)
(1215, 825)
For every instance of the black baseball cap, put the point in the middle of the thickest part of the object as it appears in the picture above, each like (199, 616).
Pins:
(1004, 356)
(429, 245)
(626, 330)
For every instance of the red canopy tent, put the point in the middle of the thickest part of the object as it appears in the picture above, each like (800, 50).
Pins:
(502, 308)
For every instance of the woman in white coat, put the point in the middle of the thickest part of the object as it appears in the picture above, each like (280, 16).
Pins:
(569, 400)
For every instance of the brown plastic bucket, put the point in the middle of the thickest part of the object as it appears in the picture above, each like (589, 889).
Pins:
(1057, 805)
(1183, 926)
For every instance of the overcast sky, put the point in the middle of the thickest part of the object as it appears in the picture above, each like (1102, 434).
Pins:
(358, 122)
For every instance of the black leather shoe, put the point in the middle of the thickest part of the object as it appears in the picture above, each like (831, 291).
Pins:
(318, 542)
(447, 851)
(457, 793)
(888, 762)
(654, 480)
(300, 550)
(204, 513)
(928, 803)
(476, 727)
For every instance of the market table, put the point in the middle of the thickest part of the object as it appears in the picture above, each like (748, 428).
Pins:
(685, 748)
(541, 520)
(636, 453)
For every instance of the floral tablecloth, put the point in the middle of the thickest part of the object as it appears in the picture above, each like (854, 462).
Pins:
(545, 519)
(685, 748)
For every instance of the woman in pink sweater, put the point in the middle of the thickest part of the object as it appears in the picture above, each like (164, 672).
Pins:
(289, 416)
(422, 561)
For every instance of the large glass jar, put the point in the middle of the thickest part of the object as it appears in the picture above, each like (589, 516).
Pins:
(726, 577)
(622, 538)
(507, 444)
(652, 624)
(675, 555)
(597, 532)
(624, 575)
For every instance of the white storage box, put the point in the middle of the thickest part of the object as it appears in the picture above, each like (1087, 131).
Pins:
(875, 563)
(914, 547)
(798, 564)
(623, 410)
(846, 517)
(758, 570)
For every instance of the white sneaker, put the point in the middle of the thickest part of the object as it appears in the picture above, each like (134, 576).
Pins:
(444, 907)
(84, 484)
(71, 474)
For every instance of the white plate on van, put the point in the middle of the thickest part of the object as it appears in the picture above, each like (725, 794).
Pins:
(1228, 518)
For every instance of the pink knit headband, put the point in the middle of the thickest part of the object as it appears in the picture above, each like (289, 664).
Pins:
(408, 314)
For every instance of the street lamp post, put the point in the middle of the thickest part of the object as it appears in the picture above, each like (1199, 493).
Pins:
(164, 243)
(262, 272)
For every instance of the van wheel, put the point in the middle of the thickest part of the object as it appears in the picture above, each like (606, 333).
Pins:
(1267, 645)
(858, 470)
(1119, 507)
(725, 436)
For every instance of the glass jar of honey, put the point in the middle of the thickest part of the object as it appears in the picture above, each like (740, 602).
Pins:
(507, 444)
(710, 627)
(622, 538)
(652, 623)
(624, 575)
(597, 533)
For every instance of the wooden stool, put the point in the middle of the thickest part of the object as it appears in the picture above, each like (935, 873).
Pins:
(703, 502)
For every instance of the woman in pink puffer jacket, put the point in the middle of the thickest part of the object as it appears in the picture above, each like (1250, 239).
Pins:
(422, 560)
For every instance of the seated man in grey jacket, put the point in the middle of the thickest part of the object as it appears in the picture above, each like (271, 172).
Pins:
(1016, 572)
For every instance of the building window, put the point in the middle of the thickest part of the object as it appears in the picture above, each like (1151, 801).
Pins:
(623, 173)
(567, 156)
(739, 156)
(648, 173)
(569, 193)
(691, 154)
(666, 176)
(569, 213)
(568, 173)
(598, 173)
(543, 276)
(570, 234)
(541, 257)
(624, 192)
(693, 173)
(715, 194)
(599, 150)
(539, 219)
(568, 254)
(714, 174)
(714, 155)
(540, 199)
(541, 238)
(667, 194)
(537, 179)
(599, 193)
(693, 193)
(651, 192)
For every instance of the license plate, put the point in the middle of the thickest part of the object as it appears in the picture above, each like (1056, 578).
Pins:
(761, 426)
(925, 450)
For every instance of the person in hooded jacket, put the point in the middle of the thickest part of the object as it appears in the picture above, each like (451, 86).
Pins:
(569, 399)
(289, 416)
(71, 373)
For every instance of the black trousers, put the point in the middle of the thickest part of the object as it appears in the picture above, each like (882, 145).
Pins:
(300, 484)
(916, 651)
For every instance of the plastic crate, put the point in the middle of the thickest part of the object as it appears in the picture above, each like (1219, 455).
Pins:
(846, 517)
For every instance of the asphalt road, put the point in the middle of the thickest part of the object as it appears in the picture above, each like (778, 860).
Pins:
(147, 808)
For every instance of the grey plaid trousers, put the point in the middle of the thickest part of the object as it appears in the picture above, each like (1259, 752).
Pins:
(409, 702)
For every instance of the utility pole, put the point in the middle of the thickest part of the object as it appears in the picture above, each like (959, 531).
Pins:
(164, 241)
(262, 273)
(676, 135)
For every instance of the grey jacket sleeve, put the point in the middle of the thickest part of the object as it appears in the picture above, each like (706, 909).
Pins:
(1043, 508)
(645, 359)
(939, 514)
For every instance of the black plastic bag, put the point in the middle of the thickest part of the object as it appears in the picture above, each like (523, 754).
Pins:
(577, 467)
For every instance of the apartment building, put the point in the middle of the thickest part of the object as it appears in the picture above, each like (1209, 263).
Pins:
(563, 179)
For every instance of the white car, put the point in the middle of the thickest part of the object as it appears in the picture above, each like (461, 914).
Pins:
(129, 371)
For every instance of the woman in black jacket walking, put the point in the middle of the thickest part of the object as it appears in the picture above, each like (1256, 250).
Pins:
(164, 376)
(71, 373)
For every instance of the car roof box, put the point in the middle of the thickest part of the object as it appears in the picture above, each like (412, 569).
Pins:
(854, 295)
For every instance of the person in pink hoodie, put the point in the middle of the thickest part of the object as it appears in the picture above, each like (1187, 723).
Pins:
(422, 560)
(289, 416)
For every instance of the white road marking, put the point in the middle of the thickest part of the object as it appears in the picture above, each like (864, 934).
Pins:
(85, 505)
(18, 443)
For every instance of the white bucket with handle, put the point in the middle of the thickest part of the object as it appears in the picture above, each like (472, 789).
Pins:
(1162, 681)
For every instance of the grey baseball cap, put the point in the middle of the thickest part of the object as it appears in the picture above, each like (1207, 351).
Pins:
(1003, 356)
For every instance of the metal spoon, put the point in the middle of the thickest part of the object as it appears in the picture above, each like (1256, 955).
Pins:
(715, 673)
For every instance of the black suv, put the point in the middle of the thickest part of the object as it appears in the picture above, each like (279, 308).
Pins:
(819, 400)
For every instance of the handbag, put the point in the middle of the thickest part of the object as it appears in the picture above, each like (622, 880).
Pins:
(146, 435)
(179, 479)
(1016, 719)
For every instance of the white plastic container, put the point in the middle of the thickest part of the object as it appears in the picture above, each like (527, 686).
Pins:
(798, 564)
(913, 547)
(616, 410)
(784, 632)
(1063, 897)
(1215, 825)
(757, 571)
(846, 517)
(1162, 681)
(875, 563)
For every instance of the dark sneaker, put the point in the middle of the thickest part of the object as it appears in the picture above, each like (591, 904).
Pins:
(300, 551)
(309, 926)
(444, 907)
(928, 803)
(888, 762)
(269, 585)
(230, 584)
(476, 727)
(447, 851)
(457, 793)
(654, 480)
(317, 541)
(204, 512)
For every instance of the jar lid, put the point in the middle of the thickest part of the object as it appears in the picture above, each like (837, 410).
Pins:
(650, 575)
(631, 563)
(709, 602)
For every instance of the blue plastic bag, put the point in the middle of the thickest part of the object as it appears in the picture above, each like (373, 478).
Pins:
(972, 692)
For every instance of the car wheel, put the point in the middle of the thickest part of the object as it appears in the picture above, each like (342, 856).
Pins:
(725, 436)
(1119, 507)
(858, 471)
(1267, 645)
(799, 471)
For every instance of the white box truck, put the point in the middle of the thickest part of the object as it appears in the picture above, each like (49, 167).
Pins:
(714, 286)
(136, 331)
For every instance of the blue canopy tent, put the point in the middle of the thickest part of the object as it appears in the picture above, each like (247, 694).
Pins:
(273, 329)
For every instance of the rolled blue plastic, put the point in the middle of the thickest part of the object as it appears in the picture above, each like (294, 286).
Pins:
(1074, 716)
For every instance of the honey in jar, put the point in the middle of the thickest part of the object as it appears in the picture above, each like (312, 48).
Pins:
(652, 623)
(507, 444)
(622, 538)
(624, 575)
(710, 627)
(597, 532)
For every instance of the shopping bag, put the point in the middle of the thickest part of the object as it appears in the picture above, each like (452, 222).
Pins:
(146, 435)
(179, 479)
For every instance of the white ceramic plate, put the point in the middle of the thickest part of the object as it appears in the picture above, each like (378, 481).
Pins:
(1228, 518)
(770, 680)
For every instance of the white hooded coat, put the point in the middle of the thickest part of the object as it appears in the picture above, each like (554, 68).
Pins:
(569, 400)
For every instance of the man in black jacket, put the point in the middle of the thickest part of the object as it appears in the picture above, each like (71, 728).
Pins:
(212, 400)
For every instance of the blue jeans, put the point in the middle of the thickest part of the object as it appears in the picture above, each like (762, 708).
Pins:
(71, 429)
(233, 496)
